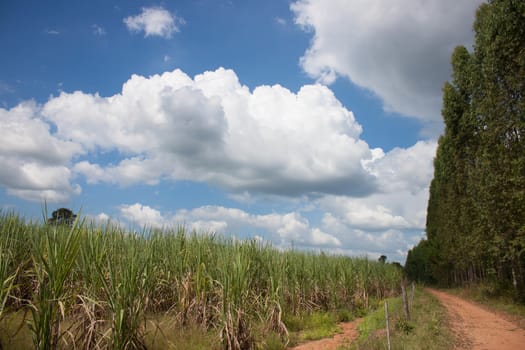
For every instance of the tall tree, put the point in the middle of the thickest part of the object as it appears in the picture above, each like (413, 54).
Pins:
(476, 208)
(499, 105)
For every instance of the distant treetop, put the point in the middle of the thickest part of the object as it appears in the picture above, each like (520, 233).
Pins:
(62, 216)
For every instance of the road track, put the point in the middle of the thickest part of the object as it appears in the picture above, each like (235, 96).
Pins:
(476, 328)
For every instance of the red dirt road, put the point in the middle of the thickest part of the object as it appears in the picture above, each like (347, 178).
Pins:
(478, 329)
(349, 333)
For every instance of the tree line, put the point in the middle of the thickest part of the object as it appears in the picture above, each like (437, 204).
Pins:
(476, 210)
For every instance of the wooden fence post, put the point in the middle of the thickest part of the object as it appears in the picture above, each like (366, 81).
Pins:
(405, 300)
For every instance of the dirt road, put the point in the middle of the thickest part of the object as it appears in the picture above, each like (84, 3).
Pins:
(349, 333)
(478, 329)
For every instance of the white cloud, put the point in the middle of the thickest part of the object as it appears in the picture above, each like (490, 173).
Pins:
(400, 49)
(99, 219)
(283, 229)
(35, 181)
(320, 238)
(103, 218)
(358, 214)
(128, 171)
(210, 129)
(26, 136)
(391, 220)
(213, 129)
(34, 162)
(387, 241)
(400, 203)
(379, 224)
(154, 21)
(401, 169)
(388, 222)
(400, 210)
(267, 143)
(142, 215)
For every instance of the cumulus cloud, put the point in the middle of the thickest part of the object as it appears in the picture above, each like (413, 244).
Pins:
(400, 210)
(142, 215)
(400, 203)
(154, 21)
(268, 142)
(210, 129)
(213, 129)
(391, 220)
(400, 50)
(34, 162)
(338, 232)
(404, 169)
(283, 229)
(392, 243)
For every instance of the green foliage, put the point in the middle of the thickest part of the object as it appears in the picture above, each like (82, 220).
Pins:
(62, 216)
(476, 209)
(273, 342)
(375, 320)
(427, 328)
(100, 287)
(7, 270)
(418, 266)
(54, 253)
(344, 315)
(311, 327)
(404, 326)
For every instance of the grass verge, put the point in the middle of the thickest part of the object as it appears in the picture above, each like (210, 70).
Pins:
(311, 327)
(315, 326)
(427, 328)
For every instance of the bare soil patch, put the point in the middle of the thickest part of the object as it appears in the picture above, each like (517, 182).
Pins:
(348, 334)
(479, 329)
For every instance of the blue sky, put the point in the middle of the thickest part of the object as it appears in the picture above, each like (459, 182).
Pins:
(310, 123)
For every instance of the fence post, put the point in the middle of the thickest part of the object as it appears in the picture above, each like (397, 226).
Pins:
(387, 327)
(405, 300)
(412, 294)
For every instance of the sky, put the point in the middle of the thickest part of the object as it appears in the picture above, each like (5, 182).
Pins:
(310, 124)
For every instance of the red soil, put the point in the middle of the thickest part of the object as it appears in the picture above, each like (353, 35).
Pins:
(476, 328)
(348, 334)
